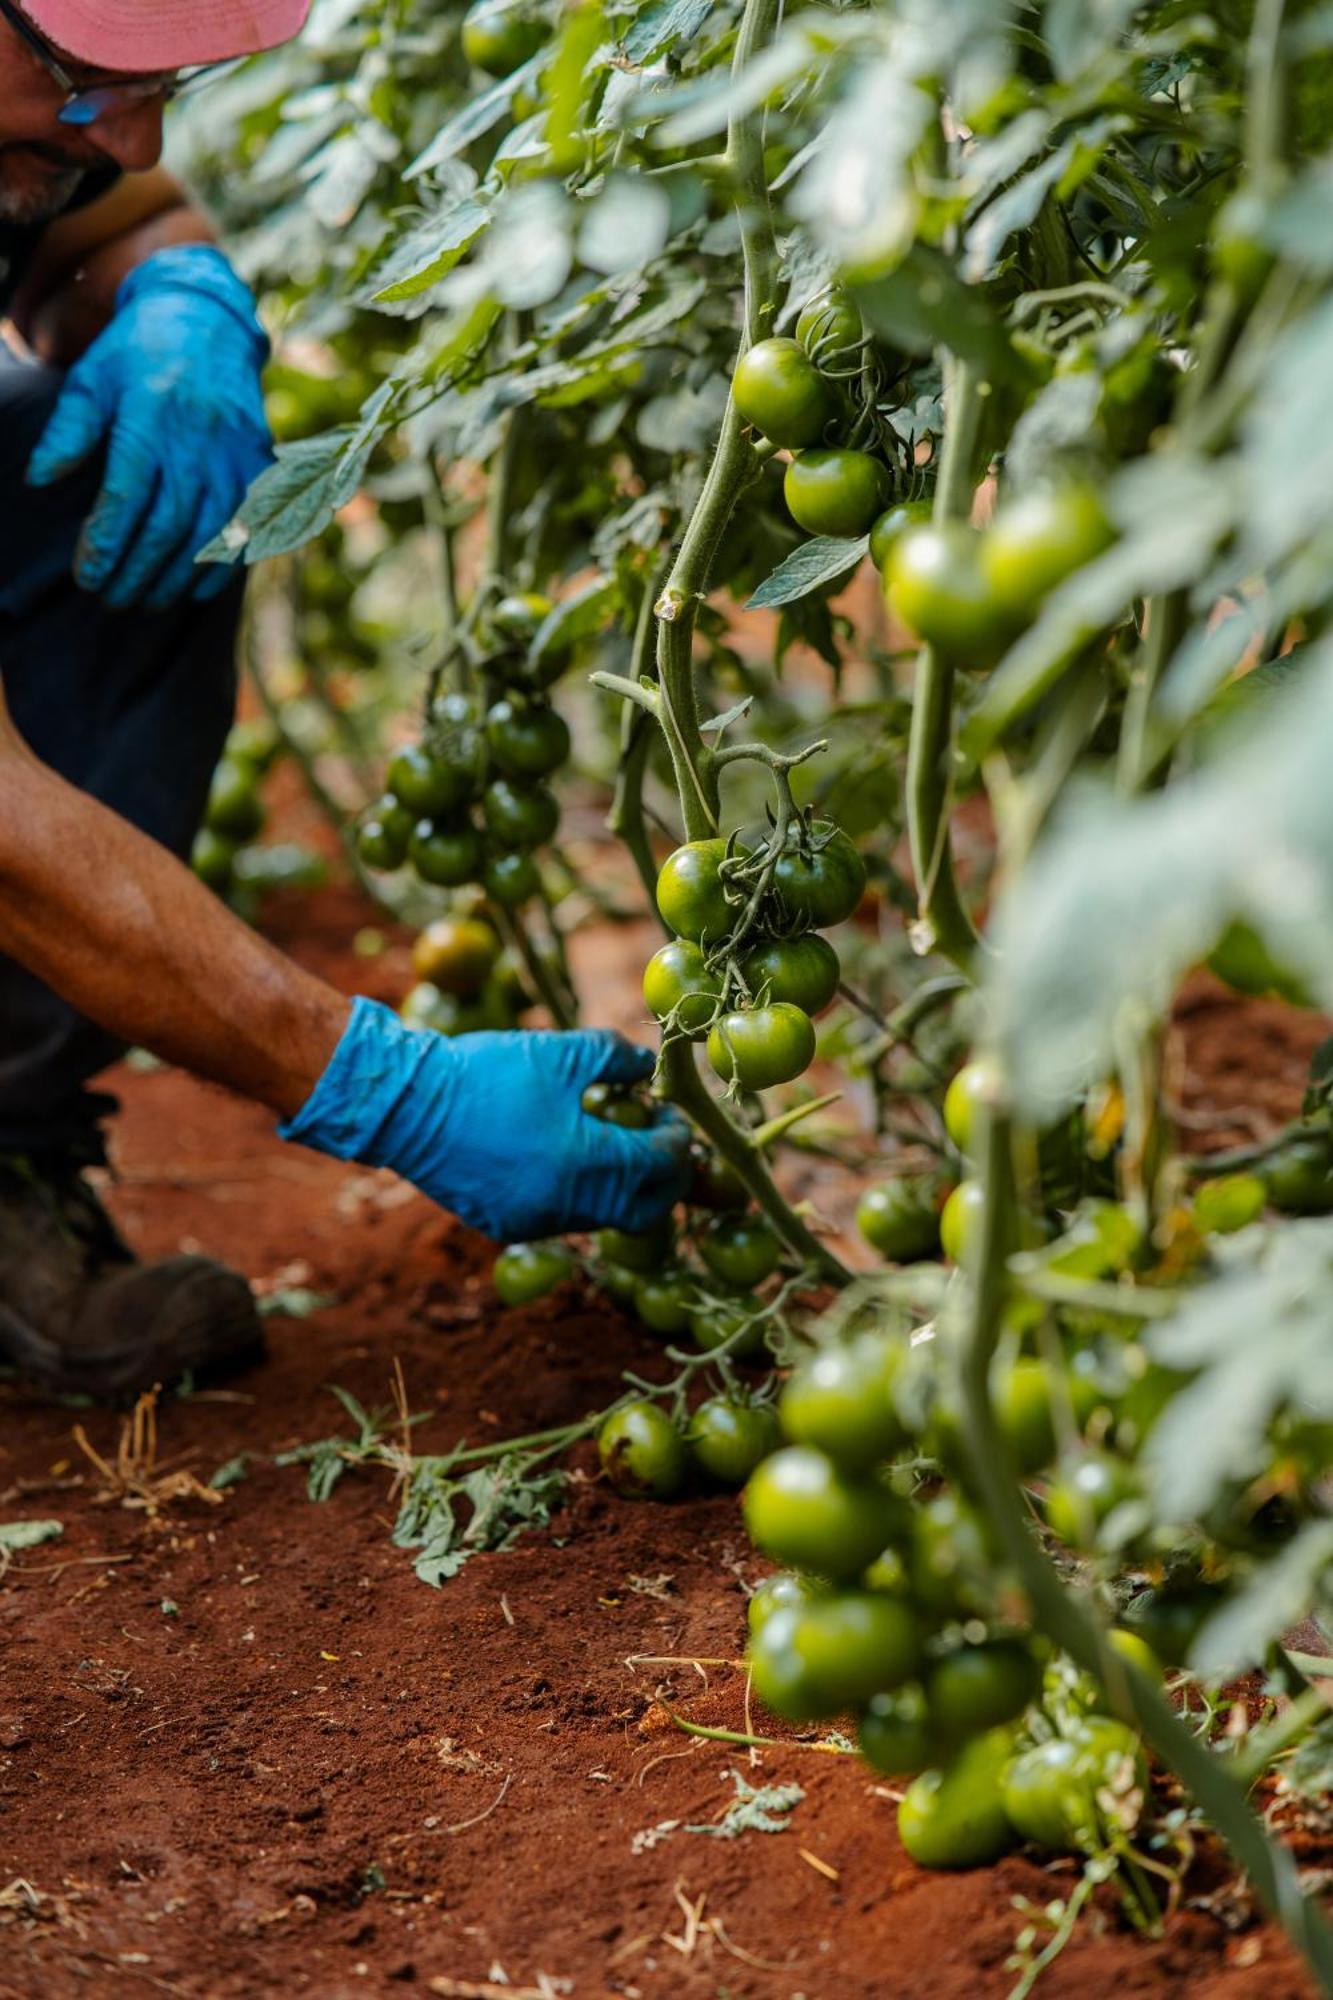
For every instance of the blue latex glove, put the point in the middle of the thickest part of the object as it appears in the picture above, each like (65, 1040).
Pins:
(171, 388)
(492, 1127)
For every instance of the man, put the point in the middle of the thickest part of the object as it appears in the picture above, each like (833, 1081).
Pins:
(128, 434)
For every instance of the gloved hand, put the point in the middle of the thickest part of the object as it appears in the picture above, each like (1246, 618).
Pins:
(492, 1125)
(172, 389)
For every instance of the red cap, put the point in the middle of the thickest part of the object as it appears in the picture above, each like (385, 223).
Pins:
(147, 36)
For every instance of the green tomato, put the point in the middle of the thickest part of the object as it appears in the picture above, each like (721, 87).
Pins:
(426, 785)
(835, 492)
(1242, 960)
(519, 815)
(741, 1250)
(1080, 1499)
(618, 1283)
(617, 1106)
(526, 738)
(951, 1561)
(778, 1593)
(762, 1047)
(211, 858)
(829, 328)
(678, 986)
(892, 523)
(517, 617)
(976, 1084)
(446, 856)
(800, 1509)
(384, 834)
(499, 36)
(234, 810)
(716, 1183)
(1299, 1176)
(690, 895)
(974, 1688)
(457, 954)
(255, 742)
(960, 1220)
(742, 1320)
(803, 970)
(645, 1250)
(1062, 1794)
(955, 1818)
(1039, 540)
(778, 389)
(528, 1271)
(642, 1452)
(821, 1658)
(819, 878)
(901, 1219)
(936, 586)
(840, 1402)
(1231, 1202)
(729, 1438)
(1021, 1399)
(665, 1299)
(895, 1736)
(511, 879)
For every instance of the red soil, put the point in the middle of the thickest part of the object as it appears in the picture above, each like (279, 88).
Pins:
(312, 1774)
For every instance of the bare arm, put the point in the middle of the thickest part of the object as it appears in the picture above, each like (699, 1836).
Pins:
(68, 292)
(119, 928)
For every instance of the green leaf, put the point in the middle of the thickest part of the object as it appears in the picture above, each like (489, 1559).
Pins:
(1126, 894)
(231, 1472)
(576, 618)
(1277, 1596)
(659, 28)
(755, 1809)
(476, 117)
(28, 1534)
(923, 305)
(294, 500)
(816, 564)
(1257, 1335)
(428, 253)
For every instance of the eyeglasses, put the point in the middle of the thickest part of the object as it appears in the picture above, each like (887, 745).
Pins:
(85, 103)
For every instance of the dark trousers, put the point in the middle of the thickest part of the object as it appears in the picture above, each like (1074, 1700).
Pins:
(132, 707)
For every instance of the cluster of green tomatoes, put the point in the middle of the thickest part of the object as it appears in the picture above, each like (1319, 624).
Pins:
(895, 1611)
(966, 591)
(226, 855)
(468, 804)
(748, 970)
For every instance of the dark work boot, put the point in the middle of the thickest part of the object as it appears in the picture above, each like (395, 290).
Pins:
(78, 1313)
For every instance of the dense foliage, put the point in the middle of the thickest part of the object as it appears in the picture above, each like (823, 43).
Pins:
(614, 320)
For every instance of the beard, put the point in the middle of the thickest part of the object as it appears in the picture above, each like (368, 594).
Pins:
(36, 184)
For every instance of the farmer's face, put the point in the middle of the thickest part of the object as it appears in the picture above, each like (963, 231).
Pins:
(42, 161)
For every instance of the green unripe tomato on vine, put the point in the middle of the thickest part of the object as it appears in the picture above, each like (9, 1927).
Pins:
(511, 879)
(955, 1817)
(677, 984)
(741, 1250)
(901, 1219)
(830, 328)
(528, 1271)
(976, 1083)
(836, 492)
(1080, 1499)
(762, 1047)
(429, 786)
(833, 1653)
(734, 1323)
(936, 585)
(841, 1402)
(1299, 1176)
(690, 895)
(893, 523)
(446, 856)
(665, 1299)
(895, 1737)
(642, 1452)
(1038, 540)
(526, 739)
(384, 833)
(960, 1220)
(729, 1437)
(977, 1687)
(800, 1509)
(804, 970)
(777, 1593)
(519, 815)
(636, 1250)
(819, 877)
(1230, 1202)
(777, 388)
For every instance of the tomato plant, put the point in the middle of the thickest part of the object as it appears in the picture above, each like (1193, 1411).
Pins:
(1056, 349)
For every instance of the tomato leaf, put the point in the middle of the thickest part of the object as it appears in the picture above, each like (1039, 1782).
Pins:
(824, 560)
(16, 1535)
